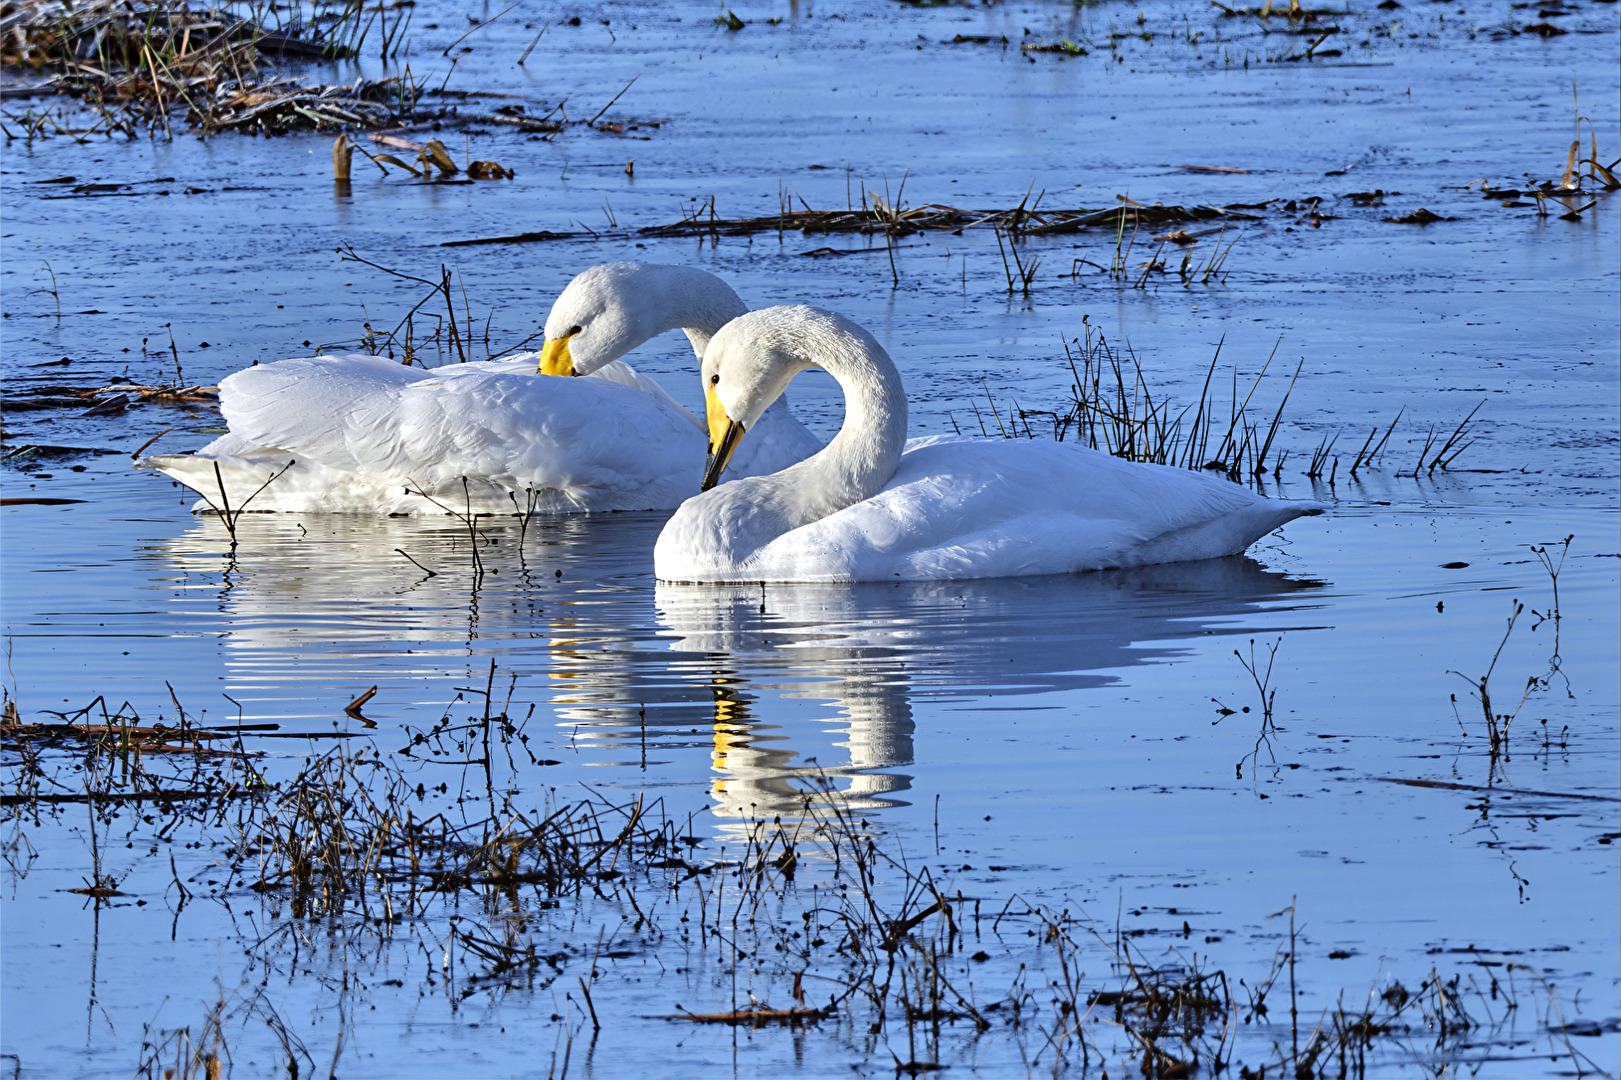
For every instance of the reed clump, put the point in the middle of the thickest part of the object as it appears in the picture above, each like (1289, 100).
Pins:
(351, 833)
(1497, 724)
(203, 1052)
(155, 66)
(1113, 407)
(113, 35)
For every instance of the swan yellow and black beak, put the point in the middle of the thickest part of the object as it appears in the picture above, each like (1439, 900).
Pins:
(724, 435)
(555, 358)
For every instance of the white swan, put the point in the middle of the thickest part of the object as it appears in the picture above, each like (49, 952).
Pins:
(367, 434)
(950, 507)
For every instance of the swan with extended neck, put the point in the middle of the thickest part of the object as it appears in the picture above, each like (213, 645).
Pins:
(871, 507)
(367, 434)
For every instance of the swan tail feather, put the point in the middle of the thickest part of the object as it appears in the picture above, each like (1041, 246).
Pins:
(224, 480)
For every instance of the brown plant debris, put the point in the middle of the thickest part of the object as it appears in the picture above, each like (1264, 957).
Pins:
(1064, 47)
(757, 1016)
(152, 66)
(118, 34)
(111, 398)
(879, 218)
(1420, 216)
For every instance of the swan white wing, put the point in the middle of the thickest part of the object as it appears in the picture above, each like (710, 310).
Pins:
(305, 406)
(601, 443)
(618, 371)
(361, 429)
(307, 402)
(959, 508)
(974, 508)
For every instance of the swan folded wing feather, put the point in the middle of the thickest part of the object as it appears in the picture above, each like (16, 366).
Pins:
(617, 371)
(587, 437)
(962, 508)
(363, 427)
(305, 406)
(378, 419)
(317, 404)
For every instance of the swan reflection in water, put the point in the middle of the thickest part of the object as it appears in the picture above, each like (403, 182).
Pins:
(873, 650)
(313, 609)
(313, 605)
(757, 772)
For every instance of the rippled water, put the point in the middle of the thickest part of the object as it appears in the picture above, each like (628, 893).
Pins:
(1058, 739)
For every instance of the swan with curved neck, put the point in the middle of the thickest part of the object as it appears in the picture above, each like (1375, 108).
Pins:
(365, 434)
(871, 507)
(609, 309)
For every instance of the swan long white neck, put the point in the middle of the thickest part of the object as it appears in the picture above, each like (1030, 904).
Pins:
(699, 304)
(864, 454)
(680, 298)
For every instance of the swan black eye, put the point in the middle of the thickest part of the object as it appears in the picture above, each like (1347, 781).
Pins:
(714, 380)
(573, 330)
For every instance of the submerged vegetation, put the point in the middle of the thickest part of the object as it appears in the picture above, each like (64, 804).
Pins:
(818, 919)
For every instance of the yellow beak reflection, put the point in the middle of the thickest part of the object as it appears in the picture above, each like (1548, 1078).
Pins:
(724, 435)
(731, 727)
(555, 358)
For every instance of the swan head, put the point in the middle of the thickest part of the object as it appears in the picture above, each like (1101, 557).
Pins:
(751, 361)
(609, 309)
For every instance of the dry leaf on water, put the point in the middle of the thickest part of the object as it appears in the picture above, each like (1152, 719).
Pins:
(392, 160)
(488, 170)
(397, 143)
(435, 154)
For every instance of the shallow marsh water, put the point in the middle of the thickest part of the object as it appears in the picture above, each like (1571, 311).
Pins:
(1055, 739)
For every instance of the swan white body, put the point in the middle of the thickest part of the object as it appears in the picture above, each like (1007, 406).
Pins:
(868, 508)
(366, 434)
